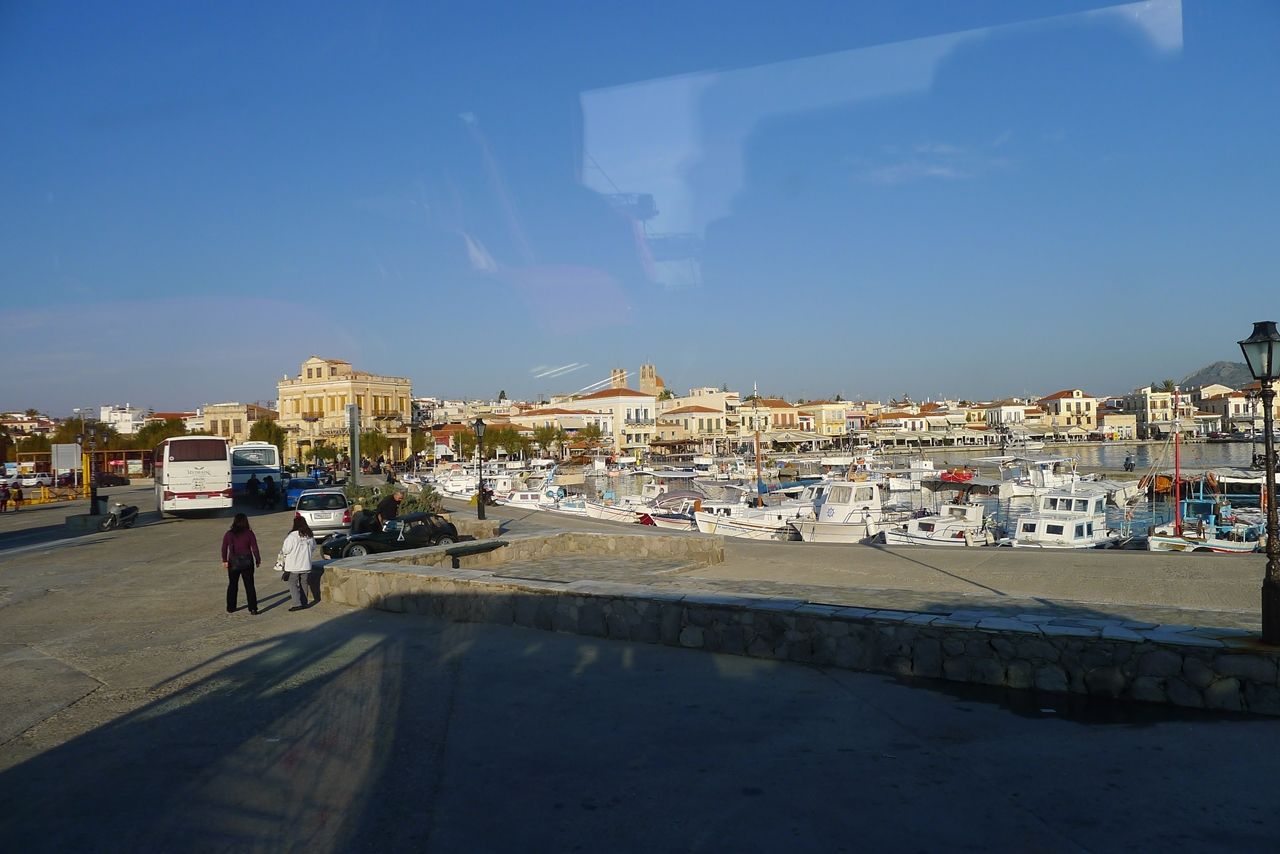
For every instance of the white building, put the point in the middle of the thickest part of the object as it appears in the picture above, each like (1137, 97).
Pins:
(126, 419)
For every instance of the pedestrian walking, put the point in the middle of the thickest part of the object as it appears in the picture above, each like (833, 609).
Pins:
(4, 497)
(295, 553)
(16, 497)
(240, 558)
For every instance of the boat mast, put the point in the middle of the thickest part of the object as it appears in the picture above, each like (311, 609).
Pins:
(755, 422)
(1177, 468)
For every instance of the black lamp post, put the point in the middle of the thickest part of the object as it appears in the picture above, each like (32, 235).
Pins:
(479, 425)
(93, 481)
(1260, 351)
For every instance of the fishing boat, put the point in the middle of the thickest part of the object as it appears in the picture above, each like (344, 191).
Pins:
(1071, 518)
(849, 512)
(752, 523)
(1204, 522)
(611, 512)
(952, 525)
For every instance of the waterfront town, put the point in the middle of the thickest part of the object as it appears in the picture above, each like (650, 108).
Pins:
(636, 416)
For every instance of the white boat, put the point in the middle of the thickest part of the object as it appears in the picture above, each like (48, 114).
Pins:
(752, 523)
(1072, 518)
(610, 512)
(528, 499)
(848, 512)
(953, 525)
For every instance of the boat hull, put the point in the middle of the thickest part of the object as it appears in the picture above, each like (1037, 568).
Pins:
(835, 532)
(907, 538)
(610, 513)
(1169, 543)
(727, 526)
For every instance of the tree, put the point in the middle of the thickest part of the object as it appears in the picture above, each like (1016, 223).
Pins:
(591, 434)
(667, 394)
(155, 432)
(32, 413)
(373, 444)
(502, 395)
(548, 436)
(839, 398)
(268, 430)
(27, 444)
(1166, 385)
(324, 452)
(464, 444)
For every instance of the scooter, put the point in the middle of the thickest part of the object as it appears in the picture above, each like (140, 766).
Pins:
(121, 516)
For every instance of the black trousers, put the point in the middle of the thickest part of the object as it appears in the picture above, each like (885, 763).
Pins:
(234, 577)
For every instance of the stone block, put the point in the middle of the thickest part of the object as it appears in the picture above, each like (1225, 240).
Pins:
(898, 665)
(1004, 647)
(1180, 693)
(1120, 633)
(1054, 631)
(1224, 694)
(1147, 689)
(926, 659)
(1051, 677)
(1253, 668)
(1179, 639)
(1105, 682)
(1097, 655)
(953, 646)
(393, 603)
(854, 613)
(671, 622)
(1019, 674)
(760, 647)
(1198, 672)
(852, 654)
(954, 623)
(1004, 624)
(733, 639)
(977, 647)
(591, 619)
(956, 669)
(691, 636)
(800, 650)
(1262, 699)
(1160, 662)
(987, 671)
(616, 626)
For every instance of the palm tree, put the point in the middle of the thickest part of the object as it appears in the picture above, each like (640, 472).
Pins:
(591, 434)
(1165, 385)
(546, 436)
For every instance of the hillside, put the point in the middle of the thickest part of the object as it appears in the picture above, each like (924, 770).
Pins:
(1234, 374)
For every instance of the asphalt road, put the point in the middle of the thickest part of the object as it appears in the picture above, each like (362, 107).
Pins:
(136, 715)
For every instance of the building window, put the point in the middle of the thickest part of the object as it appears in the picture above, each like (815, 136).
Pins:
(308, 373)
(235, 427)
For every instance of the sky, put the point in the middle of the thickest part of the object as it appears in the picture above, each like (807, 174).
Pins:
(946, 200)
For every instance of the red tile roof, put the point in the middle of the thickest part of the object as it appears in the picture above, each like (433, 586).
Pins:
(612, 392)
(689, 410)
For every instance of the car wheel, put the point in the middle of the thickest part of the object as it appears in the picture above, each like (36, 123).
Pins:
(445, 540)
(355, 550)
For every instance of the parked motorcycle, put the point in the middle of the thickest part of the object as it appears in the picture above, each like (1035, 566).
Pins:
(121, 516)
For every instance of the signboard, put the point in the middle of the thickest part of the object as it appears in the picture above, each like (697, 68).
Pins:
(66, 457)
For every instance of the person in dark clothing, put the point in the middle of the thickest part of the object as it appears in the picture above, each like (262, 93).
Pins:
(270, 493)
(240, 558)
(389, 508)
(251, 487)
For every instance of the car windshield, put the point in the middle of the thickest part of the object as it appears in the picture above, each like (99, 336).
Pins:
(302, 483)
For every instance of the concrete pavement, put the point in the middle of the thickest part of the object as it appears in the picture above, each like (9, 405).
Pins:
(139, 716)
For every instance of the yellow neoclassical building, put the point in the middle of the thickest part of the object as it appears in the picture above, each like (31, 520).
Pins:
(313, 407)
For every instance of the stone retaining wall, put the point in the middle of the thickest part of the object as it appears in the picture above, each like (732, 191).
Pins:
(520, 548)
(1180, 665)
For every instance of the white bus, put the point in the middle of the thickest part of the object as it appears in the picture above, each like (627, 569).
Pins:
(254, 458)
(192, 473)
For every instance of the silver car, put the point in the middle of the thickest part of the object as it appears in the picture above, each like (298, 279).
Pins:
(326, 511)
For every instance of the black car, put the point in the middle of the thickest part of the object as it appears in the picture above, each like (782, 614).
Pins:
(411, 531)
(106, 478)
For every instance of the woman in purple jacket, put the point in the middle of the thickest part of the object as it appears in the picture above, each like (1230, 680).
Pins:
(239, 558)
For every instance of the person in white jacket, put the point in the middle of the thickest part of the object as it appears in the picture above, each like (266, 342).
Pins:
(296, 553)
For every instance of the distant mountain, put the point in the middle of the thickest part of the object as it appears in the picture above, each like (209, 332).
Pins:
(1234, 374)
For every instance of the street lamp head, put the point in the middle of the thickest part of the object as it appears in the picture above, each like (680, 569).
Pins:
(1260, 350)
(479, 425)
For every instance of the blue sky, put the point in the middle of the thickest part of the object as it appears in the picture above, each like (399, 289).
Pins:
(973, 200)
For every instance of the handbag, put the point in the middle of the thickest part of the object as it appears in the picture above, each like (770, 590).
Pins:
(242, 562)
(279, 567)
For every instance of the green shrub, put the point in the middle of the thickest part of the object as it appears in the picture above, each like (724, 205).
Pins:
(426, 501)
